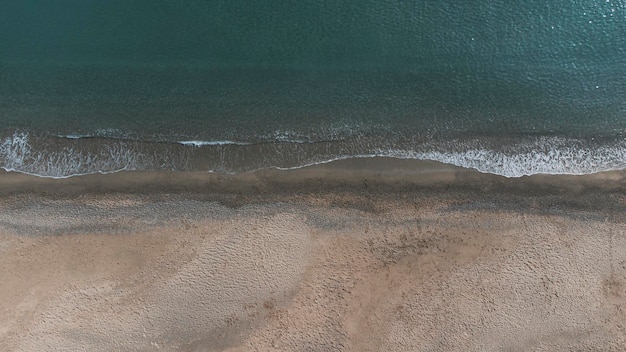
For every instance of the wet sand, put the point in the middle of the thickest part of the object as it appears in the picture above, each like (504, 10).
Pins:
(357, 255)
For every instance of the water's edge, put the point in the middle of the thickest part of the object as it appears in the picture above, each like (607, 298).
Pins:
(67, 156)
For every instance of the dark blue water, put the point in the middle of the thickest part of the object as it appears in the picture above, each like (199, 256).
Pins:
(231, 86)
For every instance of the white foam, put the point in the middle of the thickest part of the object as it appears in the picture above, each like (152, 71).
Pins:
(15, 151)
(286, 136)
(75, 136)
(17, 154)
(544, 155)
(552, 156)
(204, 143)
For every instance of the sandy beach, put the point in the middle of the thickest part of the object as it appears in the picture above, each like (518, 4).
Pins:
(356, 255)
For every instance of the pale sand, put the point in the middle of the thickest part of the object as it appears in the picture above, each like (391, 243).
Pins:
(349, 256)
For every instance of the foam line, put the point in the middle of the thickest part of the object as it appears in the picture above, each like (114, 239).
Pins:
(543, 155)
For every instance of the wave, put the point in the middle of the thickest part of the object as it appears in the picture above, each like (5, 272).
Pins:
(17, 153)
(205, 143)
(75, 136)
(65, 156)
(559, 161)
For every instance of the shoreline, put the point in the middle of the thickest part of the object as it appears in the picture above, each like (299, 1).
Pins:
(531, 155)
(356, 173)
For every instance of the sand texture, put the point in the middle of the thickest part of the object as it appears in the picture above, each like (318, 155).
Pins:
(316, 264)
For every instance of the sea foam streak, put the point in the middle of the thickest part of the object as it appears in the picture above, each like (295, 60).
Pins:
(554, 162)
(75, 136)
(64, 157)
(205, 143)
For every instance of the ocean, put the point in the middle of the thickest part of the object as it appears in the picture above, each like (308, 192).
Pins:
(509, 88)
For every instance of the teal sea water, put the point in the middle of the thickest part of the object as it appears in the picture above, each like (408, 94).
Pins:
(511, 88)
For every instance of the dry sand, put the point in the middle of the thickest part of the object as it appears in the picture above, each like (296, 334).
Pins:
(370, 255)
